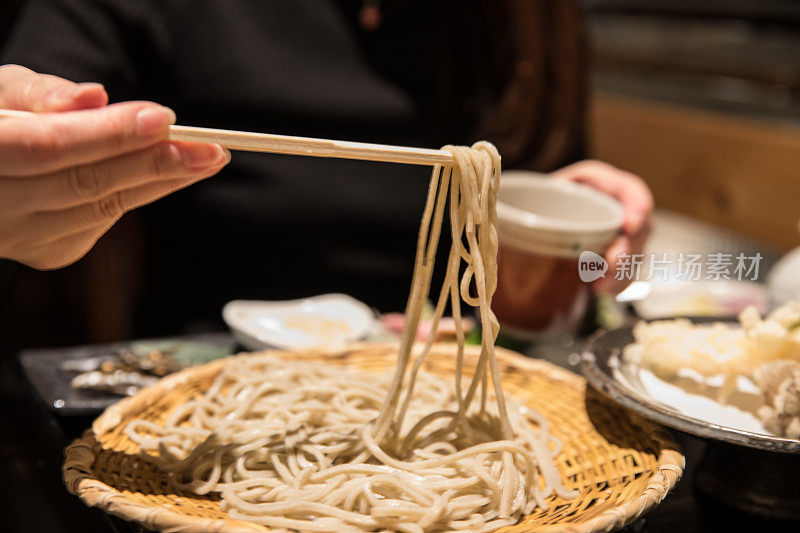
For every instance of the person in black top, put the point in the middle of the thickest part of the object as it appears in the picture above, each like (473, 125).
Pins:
(276, 227)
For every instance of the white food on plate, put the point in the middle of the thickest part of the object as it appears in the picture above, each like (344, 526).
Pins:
(780, 382)
(698, 363)
(666, 346)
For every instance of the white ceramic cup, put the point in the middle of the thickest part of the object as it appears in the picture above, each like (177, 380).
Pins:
(543, 226)
(554, 217)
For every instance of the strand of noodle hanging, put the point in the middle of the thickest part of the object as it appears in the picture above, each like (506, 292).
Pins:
(472, 205)
(427, 244)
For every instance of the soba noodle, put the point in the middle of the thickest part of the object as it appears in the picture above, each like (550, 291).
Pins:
(312, 447)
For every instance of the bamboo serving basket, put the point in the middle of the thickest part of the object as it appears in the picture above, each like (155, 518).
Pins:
(621, 464)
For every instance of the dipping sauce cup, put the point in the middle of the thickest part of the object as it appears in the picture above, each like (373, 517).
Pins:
(543, 226)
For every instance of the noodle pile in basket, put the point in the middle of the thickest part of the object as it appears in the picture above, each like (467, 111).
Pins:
(312, 447)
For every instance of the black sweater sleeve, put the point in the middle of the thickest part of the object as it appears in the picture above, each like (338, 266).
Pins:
(115, 42)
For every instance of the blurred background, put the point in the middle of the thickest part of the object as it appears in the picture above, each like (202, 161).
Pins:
(700, 98)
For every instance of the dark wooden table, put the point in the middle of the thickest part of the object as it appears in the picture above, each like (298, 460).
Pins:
(32, 440)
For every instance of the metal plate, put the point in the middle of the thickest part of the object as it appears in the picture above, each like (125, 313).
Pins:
(596, 366)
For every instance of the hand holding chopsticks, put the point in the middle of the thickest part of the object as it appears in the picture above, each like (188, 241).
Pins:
(284, 144)
(68, 174)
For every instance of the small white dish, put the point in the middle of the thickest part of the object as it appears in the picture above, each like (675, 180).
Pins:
(723, 298)
(325, 321)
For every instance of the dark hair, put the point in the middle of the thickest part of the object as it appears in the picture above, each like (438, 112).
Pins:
(510, 71)
(538, 118)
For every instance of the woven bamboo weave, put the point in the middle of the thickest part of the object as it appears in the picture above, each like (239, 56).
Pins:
(622, 465)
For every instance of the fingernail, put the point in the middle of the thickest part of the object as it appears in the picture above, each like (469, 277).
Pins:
(203, 155)
(633, 221)
(86, 87)
(80, 95)
(153, 120)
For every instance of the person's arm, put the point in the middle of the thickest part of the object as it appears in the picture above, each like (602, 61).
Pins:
(68, 174)
(637, 204)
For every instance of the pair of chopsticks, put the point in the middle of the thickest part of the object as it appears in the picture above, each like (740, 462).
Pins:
(285, 144)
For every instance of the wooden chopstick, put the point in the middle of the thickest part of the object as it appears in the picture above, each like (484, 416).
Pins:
(285, 144)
